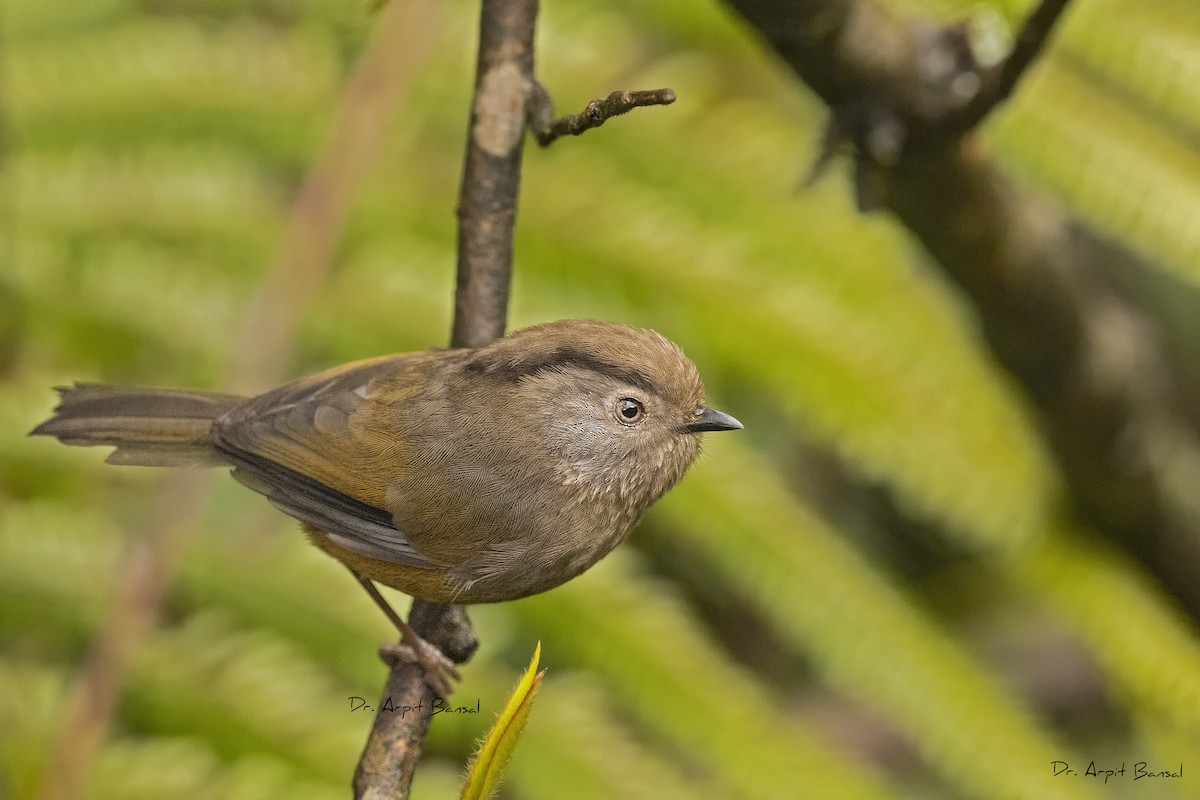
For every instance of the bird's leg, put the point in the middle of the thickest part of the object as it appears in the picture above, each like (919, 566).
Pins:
(412, 648)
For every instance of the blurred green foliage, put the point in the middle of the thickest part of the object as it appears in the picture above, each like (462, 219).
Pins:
(763, 636)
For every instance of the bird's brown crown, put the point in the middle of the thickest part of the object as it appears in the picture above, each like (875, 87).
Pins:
(637, 357)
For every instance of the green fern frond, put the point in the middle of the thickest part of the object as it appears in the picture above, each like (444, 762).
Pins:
(867, 638)
(279, 583)
(32, 700)
(394, 285)
(33, 19)
(146, 309)
(1149, 51)
(266, 577)
(1120, 173)
(245, 691)
(157, 147)
(1149, 650)
(172, 192)
(167, 79)
(672, 678)
(577, 740)
(899, 416)
(151, 769)
(56, 563)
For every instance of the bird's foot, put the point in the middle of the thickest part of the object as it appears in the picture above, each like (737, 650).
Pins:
(440, 671)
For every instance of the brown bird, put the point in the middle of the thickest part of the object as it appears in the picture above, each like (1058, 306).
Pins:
(453, 475)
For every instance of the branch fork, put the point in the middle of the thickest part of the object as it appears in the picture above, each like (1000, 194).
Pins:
(938, 89)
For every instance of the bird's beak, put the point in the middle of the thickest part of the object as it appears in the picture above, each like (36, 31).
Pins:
(709, 419)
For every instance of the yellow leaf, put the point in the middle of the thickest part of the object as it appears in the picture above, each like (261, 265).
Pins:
(487, 768)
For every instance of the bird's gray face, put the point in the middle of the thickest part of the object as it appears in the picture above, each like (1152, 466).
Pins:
(630, 441)
(615, 411)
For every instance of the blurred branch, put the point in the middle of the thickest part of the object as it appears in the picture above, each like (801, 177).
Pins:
(358, 135)
(486, 218)
(301, 263)
(140, 586)
(1106, 398)
(999, 82)
(546, 129)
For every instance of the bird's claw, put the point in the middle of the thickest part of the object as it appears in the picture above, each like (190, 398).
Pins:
(438, 669)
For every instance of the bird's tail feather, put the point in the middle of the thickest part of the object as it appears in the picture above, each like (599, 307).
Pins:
(149, 427)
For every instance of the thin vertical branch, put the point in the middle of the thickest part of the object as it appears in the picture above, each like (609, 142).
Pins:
(486, 218)
(315, 224)
(487, 205)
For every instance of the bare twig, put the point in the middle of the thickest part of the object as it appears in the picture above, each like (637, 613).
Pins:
(487, 214)
(546, 129)
(306, 249)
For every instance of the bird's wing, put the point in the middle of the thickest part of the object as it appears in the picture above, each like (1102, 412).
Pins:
(310, 448)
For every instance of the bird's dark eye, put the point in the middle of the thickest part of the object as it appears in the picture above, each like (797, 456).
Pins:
(629, 411)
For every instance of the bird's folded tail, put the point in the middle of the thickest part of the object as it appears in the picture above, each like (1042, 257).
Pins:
(149, 427)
